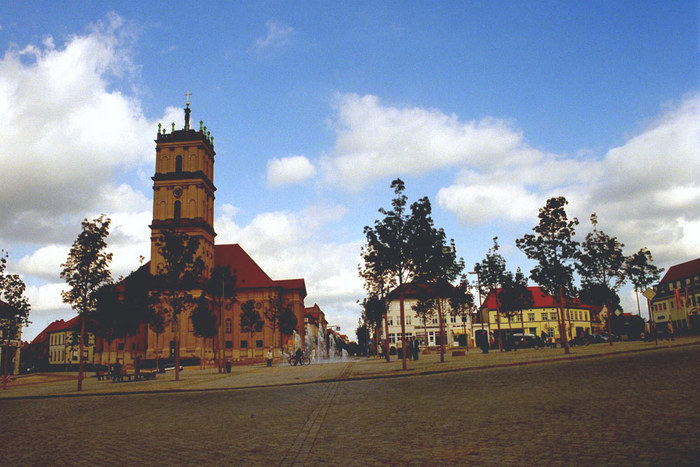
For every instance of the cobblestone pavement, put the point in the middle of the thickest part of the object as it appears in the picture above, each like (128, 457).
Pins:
(626, 408)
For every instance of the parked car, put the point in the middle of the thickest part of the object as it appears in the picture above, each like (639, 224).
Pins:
(582, 340)
(524, 341)
(605, 337)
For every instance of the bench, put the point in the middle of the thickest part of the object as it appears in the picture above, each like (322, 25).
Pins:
(458, 353)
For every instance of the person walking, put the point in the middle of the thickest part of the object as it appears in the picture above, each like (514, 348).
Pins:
(415, 347)
(269, 356)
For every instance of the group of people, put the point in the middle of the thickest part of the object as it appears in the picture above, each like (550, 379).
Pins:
(413, 348)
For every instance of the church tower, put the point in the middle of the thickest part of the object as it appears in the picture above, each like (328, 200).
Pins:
(183, 188)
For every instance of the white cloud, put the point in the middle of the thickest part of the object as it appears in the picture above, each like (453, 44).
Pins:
(289, 170)
(374, 141)
(60, 110)
(293, 245)
(277, 35)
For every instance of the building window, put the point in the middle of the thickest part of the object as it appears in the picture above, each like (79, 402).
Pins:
(229, 344)
(531, 317)
(259, 343)
(544, 316)
(178, 209)
(408, 320)
(258, 326)
(391, 321)
(392, 338)
(244, 344)
(178, 164)
(228, 325)
(120, 346)
(553, 316)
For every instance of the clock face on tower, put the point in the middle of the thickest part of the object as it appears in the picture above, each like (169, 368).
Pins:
(177, 192)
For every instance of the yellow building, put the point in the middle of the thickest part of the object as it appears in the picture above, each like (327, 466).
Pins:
(540, 318)
(183, 202)
(677, 298)
(64, 346)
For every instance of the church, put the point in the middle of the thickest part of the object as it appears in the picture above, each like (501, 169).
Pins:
(183, 202)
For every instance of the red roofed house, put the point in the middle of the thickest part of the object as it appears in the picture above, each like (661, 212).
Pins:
(677, 297)
(541, 317)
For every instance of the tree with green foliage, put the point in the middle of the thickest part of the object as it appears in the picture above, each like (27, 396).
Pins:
(391, 248)
(86, 271)
(250, 319)
(515, 296)
(288, 321)
(462, 304)
(176, 280)
(221, 286)
(375, 270)
(554, 249)
(491, 272)
(204, 320)
(373, 312)
(642, 272)
(272, 311)
(14, 309)
(601, 263)
(434, 261)
(424, 308)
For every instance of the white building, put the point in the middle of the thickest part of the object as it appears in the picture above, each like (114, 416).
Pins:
(457, 330)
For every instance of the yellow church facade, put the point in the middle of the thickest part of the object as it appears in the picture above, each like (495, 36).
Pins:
(183, 202)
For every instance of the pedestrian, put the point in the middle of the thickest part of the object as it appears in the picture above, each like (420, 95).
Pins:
(116, 371)
(669, 327)
(416, 348)
(269, 356)
(228, 366)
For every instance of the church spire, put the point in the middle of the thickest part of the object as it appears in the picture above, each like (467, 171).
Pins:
(187, 111)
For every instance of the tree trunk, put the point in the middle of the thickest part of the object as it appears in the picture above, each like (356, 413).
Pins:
(386, 336)
(403, 329)
(81, 365)
(442, 331)
(177, 347)
(562, 323)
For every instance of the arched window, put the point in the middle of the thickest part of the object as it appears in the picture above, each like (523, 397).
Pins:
(178, 209)
(178, 164)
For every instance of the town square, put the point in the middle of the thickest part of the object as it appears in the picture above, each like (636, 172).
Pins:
(395, 233)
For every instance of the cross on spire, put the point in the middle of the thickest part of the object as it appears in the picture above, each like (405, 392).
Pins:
(188, 94)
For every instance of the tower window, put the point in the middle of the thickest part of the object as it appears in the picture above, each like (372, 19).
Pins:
(178, 164)
(178, 209)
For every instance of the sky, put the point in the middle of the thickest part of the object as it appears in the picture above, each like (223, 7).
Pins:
(487, 108)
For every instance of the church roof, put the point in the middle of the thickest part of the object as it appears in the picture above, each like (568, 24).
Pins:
(248, 273)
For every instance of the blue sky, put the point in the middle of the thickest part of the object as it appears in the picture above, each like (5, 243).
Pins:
(488, 108)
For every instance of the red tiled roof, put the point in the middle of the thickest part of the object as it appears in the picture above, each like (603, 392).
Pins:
(414, 290)
(539, 297)
(293, 284)
(248, 273)
(683, 270)
(56, 326)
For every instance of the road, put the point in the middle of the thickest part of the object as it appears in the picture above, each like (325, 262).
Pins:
(636, 408)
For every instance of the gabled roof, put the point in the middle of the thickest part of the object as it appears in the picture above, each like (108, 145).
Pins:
(248, 274)
(418, 289)
(56, 326)
(292, 284)
(681, 271)
(540, 298)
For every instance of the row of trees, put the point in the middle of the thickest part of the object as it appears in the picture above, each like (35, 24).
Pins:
(117, 310)
(404, 246)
